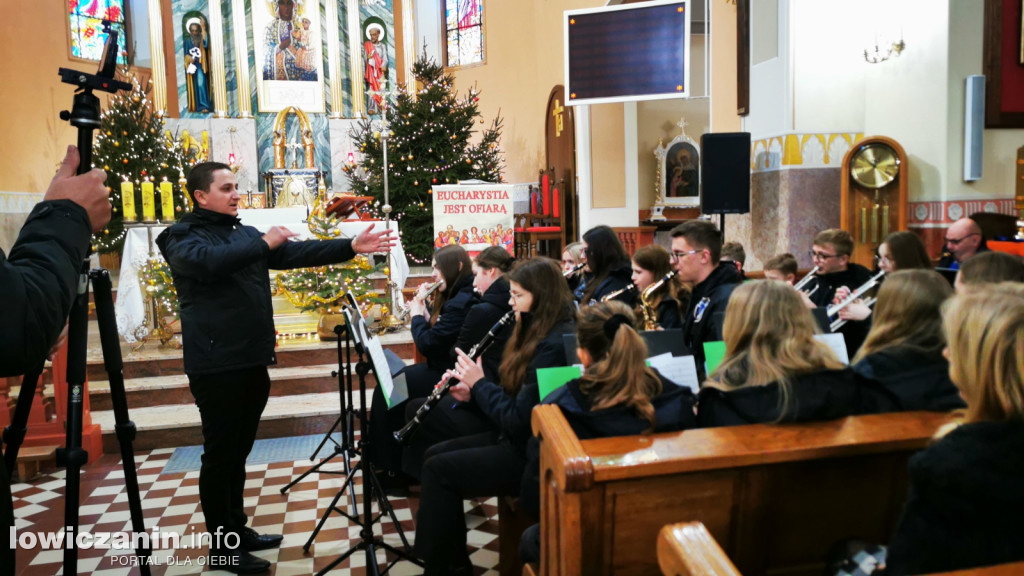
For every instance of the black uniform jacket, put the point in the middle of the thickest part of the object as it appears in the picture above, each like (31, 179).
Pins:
(480, 319)
(511, 414)
(822, 395)
(705, 312)
(221, 271)
(920, 380)
(965, 502)
(854, 332)
(437, 342)
(618, 278)
(38, 282)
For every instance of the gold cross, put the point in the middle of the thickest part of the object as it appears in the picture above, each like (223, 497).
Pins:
(557, 113)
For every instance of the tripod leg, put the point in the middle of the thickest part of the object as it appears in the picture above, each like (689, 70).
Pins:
(14, 434)
(386, 507)
(72, 456)
(124, 427)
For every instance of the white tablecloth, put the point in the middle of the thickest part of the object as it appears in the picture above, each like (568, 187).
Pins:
(130, 305)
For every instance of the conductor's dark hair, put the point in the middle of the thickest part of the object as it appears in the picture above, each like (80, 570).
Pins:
(201, 177)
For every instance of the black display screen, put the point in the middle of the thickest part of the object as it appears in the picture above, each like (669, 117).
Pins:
(627, 54)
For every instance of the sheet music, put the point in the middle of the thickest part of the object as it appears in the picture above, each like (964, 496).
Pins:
(680, 369)
(837, 344)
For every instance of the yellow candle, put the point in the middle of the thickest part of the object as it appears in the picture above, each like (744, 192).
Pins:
(167, 201)
(148, 202)
(128, 201)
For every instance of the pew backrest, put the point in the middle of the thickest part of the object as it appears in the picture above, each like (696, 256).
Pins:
(775, 497)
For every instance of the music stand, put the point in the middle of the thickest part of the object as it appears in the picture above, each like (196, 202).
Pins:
(370, 356)
(345, 421)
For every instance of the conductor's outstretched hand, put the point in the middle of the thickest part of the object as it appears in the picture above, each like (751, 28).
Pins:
(86, 190)
(368, 241)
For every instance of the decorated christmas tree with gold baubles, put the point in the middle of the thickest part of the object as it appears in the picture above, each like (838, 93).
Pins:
(132, 147)
(432, 139)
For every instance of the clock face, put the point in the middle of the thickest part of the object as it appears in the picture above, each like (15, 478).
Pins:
(874, 166)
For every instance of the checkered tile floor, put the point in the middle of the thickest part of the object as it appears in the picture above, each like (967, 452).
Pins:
(171, 501)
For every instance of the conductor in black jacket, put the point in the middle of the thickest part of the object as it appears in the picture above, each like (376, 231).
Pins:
(39, 280)
(221, 273)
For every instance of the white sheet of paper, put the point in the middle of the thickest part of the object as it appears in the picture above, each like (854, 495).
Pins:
(680, 369)
(837, 344)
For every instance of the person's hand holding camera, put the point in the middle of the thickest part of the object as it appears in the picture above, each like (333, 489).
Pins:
(86, 190)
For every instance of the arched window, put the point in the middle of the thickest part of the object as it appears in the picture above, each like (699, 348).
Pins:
(464, 32)
(85, 23)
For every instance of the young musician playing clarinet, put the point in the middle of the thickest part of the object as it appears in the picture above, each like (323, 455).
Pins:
(618, 395)
(609, 267)
(492, 463)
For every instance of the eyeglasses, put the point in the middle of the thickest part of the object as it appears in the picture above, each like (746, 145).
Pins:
(681, 255)
(955, 241)
(820, 255)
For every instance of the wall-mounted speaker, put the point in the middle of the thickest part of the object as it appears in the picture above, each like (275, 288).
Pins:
(974, 126)
(725, 173)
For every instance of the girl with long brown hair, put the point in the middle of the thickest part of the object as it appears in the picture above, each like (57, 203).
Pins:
(903, 350)
(650, 264)
(964, 504)
(492, 463)
(774, 368)
(608, 267)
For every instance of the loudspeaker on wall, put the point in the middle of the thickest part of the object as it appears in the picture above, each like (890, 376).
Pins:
(725, 173)
(974, 126)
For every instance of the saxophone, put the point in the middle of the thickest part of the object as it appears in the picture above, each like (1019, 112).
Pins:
(650, 313)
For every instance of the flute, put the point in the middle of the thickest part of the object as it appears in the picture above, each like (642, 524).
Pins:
(574, 269)
(442, 387)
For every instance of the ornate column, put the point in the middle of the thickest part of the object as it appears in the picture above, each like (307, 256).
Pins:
(334, 59)
(217, 69)
(241, 58)
(156, 47)
(355, 48)
(409, 43)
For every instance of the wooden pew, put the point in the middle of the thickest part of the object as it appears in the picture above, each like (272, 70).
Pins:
(775, 496)
(688, 549)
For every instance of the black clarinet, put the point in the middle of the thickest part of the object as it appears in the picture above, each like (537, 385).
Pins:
(442, 387)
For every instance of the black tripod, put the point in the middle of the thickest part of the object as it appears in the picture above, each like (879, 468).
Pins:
(85, 115)
(371, 485)
(346, 420)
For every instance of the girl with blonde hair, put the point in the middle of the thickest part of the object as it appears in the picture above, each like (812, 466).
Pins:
(964, 505)
(903, 350)
(774, 368)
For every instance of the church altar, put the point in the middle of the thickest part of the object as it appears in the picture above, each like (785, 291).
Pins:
(130, 307)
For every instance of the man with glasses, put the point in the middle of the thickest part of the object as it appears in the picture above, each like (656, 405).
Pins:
(696, 255)
(831, 254)
(963, 240)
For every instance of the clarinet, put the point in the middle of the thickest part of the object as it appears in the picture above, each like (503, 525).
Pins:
(442, 387)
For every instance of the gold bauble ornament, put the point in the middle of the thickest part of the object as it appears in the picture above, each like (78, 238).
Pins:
(337, 232)
(117, 144)
(125, 161)
(105, 167)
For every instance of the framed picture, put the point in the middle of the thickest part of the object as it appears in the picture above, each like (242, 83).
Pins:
(1004, 75)
(288, 47)
(679, 170)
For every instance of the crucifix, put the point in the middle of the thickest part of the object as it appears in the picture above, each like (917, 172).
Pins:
(293, 146)
(557, 113)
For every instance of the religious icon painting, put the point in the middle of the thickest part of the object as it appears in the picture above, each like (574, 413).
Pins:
(288, 49)
(679, 165)
(375, 63)
(195, 45)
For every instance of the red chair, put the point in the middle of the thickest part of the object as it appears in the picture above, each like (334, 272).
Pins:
(544, 222)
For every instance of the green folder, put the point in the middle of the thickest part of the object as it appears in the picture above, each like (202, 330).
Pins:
(714, 352)
(551, 379)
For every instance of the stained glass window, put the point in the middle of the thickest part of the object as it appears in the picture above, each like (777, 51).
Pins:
(86, 25)
(464, 26)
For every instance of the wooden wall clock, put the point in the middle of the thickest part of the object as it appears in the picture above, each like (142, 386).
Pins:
(873, 194)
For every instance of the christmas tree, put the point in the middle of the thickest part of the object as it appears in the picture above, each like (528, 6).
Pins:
(429, 142)
(132, 147)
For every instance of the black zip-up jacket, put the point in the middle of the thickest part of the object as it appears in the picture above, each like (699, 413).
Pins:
(855, 331)
(618, 278)
(511, 414)
(221, 271)
(38, 282)
(823, 395)
(438, 341)
(919, 379)
(480, 319)
(705, 312)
